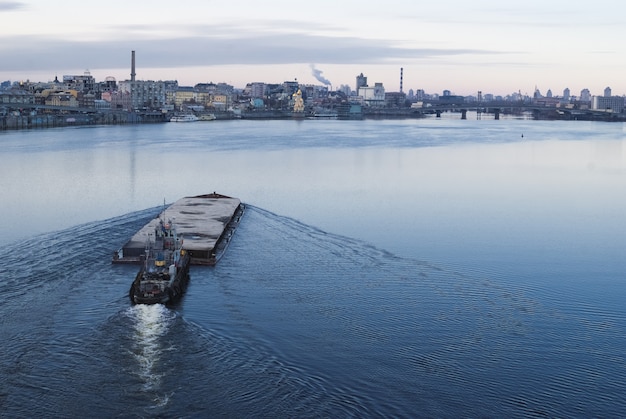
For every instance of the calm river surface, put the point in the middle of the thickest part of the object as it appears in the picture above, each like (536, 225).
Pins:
(415, 268)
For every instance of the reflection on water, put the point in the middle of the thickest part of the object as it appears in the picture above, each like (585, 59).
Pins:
(449, 190)
(150, 324)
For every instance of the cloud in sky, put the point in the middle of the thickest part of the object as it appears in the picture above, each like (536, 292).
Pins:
(10, 5)
(462, 46)
(40, 53)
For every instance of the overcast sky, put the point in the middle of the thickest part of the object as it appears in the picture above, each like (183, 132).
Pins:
(464, 46)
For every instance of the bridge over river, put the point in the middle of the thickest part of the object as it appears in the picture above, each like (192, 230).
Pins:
(537, 111)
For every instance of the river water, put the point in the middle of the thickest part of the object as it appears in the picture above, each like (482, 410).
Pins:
(414, 268)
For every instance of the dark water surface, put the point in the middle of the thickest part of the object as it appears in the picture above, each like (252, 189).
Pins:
(430, 268)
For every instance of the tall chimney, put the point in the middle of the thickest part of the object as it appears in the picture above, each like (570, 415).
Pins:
(401, 71)
(132, 67)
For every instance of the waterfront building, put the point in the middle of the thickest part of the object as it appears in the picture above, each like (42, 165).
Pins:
(16, 97)
(86, 87)
(290, 87)
(395, 99)
(206, 87)
(108, 85)
(450, 99)
(345, 89)
(314, 91)
(548, 102)
(310, 92)
(607, 92)
(85, 83)
(146, 94)
(224, 89)
(614, 104)
(171, 85)
(183, 95)
(119, 100)
(257, 103)
(86, 100)
(67, 99)
(102, 104)
(373, 96)
(585, 95)
(220, 101)
(361, 81)
(133, 94)
(566, 94)
(186, 96)
(256, 90)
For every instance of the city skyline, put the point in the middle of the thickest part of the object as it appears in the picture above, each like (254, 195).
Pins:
(458, 46)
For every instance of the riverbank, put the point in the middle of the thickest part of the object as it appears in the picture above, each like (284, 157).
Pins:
(19, 119)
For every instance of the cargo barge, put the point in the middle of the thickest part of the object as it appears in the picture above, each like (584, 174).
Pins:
(192, 231)
(204, 222)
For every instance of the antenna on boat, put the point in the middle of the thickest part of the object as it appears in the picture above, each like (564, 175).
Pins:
(147, 250)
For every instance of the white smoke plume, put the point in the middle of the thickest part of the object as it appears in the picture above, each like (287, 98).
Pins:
(318, 75)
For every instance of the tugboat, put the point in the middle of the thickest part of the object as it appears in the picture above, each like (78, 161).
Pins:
(164, 274)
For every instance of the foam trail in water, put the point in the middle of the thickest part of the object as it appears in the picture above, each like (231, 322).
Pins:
(150, 324)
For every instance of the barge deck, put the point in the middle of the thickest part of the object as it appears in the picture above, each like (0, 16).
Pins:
(205, 223)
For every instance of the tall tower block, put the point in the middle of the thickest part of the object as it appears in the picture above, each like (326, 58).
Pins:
(132, 66)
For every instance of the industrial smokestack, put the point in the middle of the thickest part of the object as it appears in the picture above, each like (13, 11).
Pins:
(132, 67)
(401, 75)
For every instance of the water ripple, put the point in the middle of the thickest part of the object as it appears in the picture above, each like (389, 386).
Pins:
(296, 322)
